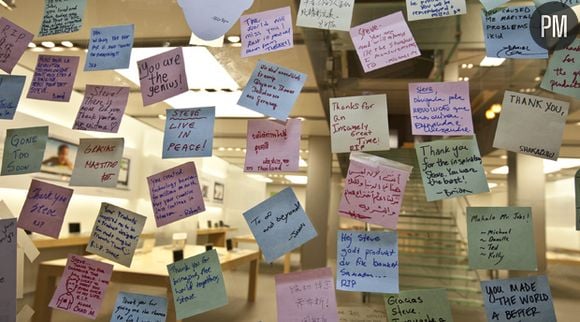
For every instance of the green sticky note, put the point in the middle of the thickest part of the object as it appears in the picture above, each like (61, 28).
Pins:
(562, 72)
(23, 150)
(501, 238)
(419, 305)
(577, 183)
(197, 284)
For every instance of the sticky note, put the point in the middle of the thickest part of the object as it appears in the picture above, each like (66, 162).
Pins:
(531, 125)
(109, 48)
(492, 4)
(98, 162)
(383, 42)
(367, 262)
(374, 189)
(359, 123)
(102, 108)
(419, 305)
(8, 243)
(279, 224)
(440, 109)
(272, 90)
(273, 146)
(577, 189)
(44, 208)
(53, 78)
(116, 234)
(14, 41)
(139, 307)
(362, 314)
(175, 194)
(329, 15)
(27, 245)
(23, 150)
(507, 33)
(197, 284)
(162, 76)
(10, 92)
(563, 69)
(451, 168)
(266, 32)
(306, 296)
(518, 299)
(426, 9)
(188, 132)
(62, 17)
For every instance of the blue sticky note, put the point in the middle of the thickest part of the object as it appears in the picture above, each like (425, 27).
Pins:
(367, 262)
(518, 299)
(279, 224)
(109, 48)
(507, 33)
(188, 132)
(10, 91)
(272, 90)
(139, 307)
(23, 150)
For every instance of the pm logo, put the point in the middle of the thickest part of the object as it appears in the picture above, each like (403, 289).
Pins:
(557, 24)
(554, 25)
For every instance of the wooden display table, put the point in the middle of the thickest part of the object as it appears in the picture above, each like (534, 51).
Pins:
(69, 240)
(215, 236)
(250, 239)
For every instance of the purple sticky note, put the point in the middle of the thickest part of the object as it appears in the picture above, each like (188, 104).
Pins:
(102, 108)
(266, 31)
(273, 146)
(13, 42)
(162, 76)
(44, 209)
(53, 78)
(383, 42)
(175, 194)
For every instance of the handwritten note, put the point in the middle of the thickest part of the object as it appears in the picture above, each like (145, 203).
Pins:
(367, 262)
(273, 146)
(10, 92)
(62, 17)
(109, 48)
(440, 108)
(531, 125)
(507, 33)
(23, 150)
(53, 78)
(197, 284)
(501, 238)
(139, 307)
(361, 314)
(426, 9)
(419, 305)
(44, 208)
(266, 32)
(279, 224)
(8, 269)
(98, 162)
(518, 299)
(492, 4)
(162, 76)
(116, 234)
(330, 15)
(306, 296)
(102, 108)
(13, 42)
(272, 90)
(188, 132)
(383, 42)
(175, 194)
(451, 168)
(563, 73)
(359, 123)
(82, 287)
(374, 189)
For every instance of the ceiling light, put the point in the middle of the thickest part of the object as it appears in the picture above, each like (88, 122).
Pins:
(469, 66)
(491, 185)
(301, 118)
(491, 62)
(537, 79)
(230, 149)
(237, 44)
(238, 149)
(37, 49)
(466, 79)
(489, 114)
(67, 44)
(221, 148)
(162, 117)
(501, 170)
(234, 39)
(460, 79)
(297, 179)
(302, 163)
(259, 178)
(244, 150)
(48, 44)
(57, 49)
(577, 123)
(503, 157)
(496, 108)
(464, 66)
(31, 45)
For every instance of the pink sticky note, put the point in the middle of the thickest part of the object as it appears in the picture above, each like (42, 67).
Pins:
(306, 296)
(175, 194)
(53, 78)
(374, 189)
(383, 42)
(13, 42)
(102, 108)
(82, 286)
(162, 76)
(44, 209)
(273, 146)
(266, 31)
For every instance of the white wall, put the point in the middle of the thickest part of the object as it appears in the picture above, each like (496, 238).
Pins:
(561, 215)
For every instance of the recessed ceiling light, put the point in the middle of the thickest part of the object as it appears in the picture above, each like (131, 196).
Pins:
(463, 66)
(67, 44)
(37, 49)
(491, 62)
(31, 45)
(238, 149)
(469, 66)
(162, 116)
(301, 118)
(503, 157)
(496, 108)
(489, 114)
(221, 148)
(466, 79)
(48, 44)
(460, 79)
(230, 149)
(234, 39)
(537, 79)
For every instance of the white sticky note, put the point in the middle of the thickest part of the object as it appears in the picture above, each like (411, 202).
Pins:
(27, 245)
